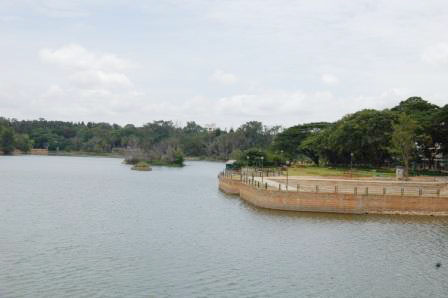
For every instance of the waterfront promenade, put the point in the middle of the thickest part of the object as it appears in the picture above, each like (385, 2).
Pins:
(321, 194)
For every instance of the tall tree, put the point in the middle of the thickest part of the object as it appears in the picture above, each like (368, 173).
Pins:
(440, 129)
(7, 140)
(404, 140)
(289, 141)
(423, 113)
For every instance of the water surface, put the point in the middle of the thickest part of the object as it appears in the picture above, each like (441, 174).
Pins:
(91, 227)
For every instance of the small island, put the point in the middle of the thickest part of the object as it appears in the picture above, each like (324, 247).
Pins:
(141, 166)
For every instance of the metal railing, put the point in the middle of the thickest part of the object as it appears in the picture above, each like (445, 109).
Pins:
(399, 190)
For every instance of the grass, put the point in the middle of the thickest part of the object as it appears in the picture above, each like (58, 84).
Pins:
(339, 171)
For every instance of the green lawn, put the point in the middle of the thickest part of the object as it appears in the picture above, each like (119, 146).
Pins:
(328, 171)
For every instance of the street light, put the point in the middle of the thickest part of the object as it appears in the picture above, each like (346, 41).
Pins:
(248, 165)
(351, 164)
(262, 171)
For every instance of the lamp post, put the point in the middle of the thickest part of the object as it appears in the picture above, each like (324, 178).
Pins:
(281, 158)
(248, 160)
(262, 172)
(351, 164)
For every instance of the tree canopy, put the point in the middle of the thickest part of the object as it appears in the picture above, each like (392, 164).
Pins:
(364, 137)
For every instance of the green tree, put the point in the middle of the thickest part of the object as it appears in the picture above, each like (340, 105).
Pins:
(440, 129)
(7, 140)
(404, 140)
(23, 142)
(423, 113)
(314, 147)
(366, 134)
(289, 141)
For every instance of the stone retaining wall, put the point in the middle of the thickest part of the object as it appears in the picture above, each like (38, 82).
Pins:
(335, 202)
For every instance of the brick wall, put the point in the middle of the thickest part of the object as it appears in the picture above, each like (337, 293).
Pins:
(335, 202)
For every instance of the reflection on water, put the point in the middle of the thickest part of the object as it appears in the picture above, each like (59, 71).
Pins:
(91, 227)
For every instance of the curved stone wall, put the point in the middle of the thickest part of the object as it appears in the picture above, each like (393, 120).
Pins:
(335, 202)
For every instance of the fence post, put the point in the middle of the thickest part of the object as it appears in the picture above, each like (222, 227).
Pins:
(420, 192)
(336, 189)
(355, 190)
(279, 187)
(266, 185)
(317, 188)
(384, 191)
(438, 192)
(298, 187)
(367, 191)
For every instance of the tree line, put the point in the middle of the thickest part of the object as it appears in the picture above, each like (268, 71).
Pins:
(414, 130)
(158, 142)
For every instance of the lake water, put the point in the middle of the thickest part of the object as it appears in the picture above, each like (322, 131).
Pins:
(91, 227)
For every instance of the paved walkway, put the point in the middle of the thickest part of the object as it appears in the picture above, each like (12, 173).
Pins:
(308, 184)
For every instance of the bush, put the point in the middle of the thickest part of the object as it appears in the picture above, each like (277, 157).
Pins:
(23, 142)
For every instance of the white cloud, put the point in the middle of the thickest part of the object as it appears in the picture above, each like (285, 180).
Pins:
(89, 70)
(223, 77)
(436, 54)
(93, 79)
(74, 56)
(92, 86)
(329, 79)
(288, 108)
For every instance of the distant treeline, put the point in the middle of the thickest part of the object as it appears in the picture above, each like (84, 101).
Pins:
(415, 129)
(158, 142)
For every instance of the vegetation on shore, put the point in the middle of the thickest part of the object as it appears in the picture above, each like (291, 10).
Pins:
(413, 132)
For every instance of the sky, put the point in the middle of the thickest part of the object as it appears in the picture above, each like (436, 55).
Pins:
(281, 62)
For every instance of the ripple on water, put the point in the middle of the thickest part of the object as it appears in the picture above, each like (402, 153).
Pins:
(90, 227)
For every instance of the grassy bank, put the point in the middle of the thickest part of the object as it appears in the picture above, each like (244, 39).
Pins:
(339, 171)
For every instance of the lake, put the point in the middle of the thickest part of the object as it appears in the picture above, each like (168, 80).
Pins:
(91, 227)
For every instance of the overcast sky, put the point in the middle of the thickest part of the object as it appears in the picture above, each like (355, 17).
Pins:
(218, 61)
